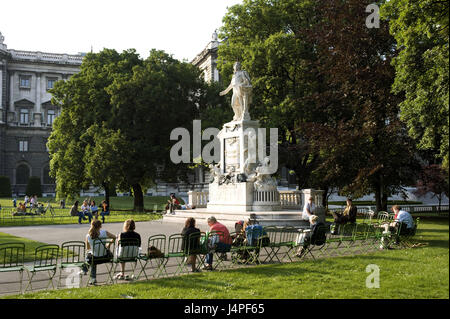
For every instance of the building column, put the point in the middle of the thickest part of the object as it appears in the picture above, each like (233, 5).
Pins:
(11, 91)
(37, 111)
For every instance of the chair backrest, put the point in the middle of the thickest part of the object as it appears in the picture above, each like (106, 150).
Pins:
(11, 255)
(253, 233)
(175, 244)
(73, 252)
(213, 237)
(368, 216)
(193, 243)
(128, 249)
(382, 217)
(319, 236)
(102, 246)
(157, 241)
(287, 235)
(46, 255)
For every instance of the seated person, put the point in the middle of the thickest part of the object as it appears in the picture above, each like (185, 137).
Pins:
(306, 238)
(94, 209)
(308, 209)
(403, 221)
(191, 243)
(40, 209)
(255, 234)
(85, 209)
(22, 208)
(348, 215)
(224, 243)
(128, 233)
(172, 204)
(105, 210)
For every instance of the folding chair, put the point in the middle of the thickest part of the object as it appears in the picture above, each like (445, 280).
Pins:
(212, 239)
(348, 237)
(194, 247)
(317, 240)
(367, 216)
(73, 256)
(127, 251)
(158, 242)
(361, 235)
(382, 218)
(45, 259)
(102, 254)
(288, 241)
(237, 250)
(176, 251)
(11, 259)
(407, 236)
(274, 245)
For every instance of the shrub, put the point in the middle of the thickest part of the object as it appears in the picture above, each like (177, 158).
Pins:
(5, 187)
(34, 186)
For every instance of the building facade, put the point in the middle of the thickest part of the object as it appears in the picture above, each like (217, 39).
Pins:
(27, 114)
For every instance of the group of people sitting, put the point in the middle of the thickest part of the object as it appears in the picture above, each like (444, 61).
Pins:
(30, 203)
(90, 210)
(96, 232)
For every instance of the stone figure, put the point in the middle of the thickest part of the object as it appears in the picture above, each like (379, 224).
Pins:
(214, 172)
(242, 93)
(264, 181)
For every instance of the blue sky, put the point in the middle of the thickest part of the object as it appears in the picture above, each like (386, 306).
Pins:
(181, 28)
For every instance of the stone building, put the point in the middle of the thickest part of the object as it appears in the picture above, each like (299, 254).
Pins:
(27, 114)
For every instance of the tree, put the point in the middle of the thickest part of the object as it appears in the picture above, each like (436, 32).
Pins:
(266, 37)
(421, 29)
(117, 115)
(433, 179)
(362, 143)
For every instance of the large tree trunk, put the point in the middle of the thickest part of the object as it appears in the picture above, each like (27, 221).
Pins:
(380, 195)
(138, 198)
(107, 192)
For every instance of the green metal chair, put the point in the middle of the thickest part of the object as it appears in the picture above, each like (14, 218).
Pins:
(127, 251)
(403, 236)
(73, 255)
(194, 246)
(12, 259)
(220, 255)
(367, 216)
(287, 242)
(102, 254)
(45, 259)
(361, 238)
(383, 218)
(237, 250)
(274, 245)
(175, 251)
(316, 241)
(155, 254)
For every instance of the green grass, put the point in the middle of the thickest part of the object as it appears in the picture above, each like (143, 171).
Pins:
(121, 210)
(30, 245)
(407, 273)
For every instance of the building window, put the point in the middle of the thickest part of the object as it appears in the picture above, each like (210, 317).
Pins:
(22, 174)
(23, 146)
(51, 83)
(50, 117)
(25, 81)
(47, 178)
(24, 118)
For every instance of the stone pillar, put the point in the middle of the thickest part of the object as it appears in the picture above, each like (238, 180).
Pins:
(37, 110)
(11, 92)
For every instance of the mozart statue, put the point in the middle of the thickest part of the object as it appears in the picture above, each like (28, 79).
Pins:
(242, 93)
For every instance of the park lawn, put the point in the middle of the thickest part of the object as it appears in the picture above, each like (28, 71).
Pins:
(30, 245)
(404, 274)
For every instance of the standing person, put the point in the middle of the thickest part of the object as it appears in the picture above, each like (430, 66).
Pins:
(26, 200)
(348, 215)
(128, 232)
(224, 243)
(191, 243)
(85, 209)
(33, 201)
(95, 232)
(105, 210)
(308, 209)
(94, 209)
(62, 204)
(14, 202)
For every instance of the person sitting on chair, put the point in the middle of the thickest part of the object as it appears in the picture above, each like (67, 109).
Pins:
(105, 210)
(306, 238)
(128, 233)
(22, 208)
(224, 243)
(348, 215)
(94, 209)
(403, 220)
(85, 209)
(191, 243)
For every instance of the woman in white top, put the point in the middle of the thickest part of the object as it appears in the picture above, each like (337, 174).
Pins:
(86, 210)
(308, 209)
(95, 232)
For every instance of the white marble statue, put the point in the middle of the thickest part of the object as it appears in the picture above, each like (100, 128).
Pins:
(264, 181)
(242, 93)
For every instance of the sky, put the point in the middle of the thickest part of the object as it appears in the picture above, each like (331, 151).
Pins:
(179, 27)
